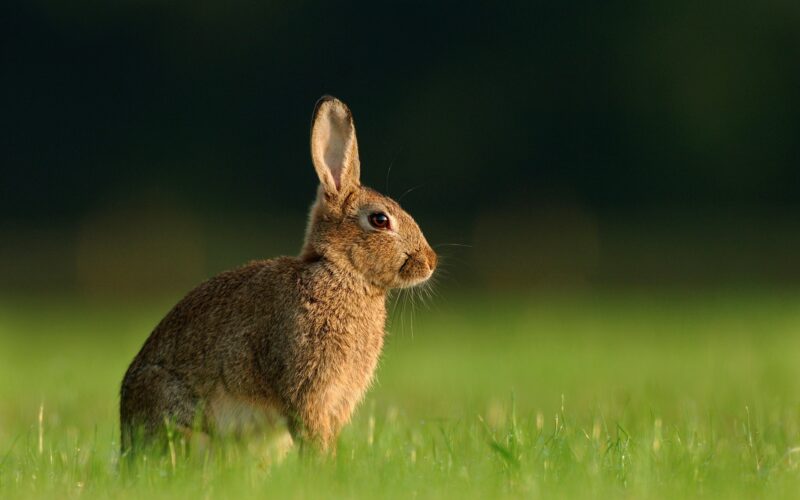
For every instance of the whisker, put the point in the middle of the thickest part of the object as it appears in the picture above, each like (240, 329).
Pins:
(403, 312)
(409, 191)
(425, 298)
(410, 298)
(413, 307)
(462, 245)
(396, 300)
(418, 295)
(389, 171)
(446, 262)
(401, 304)
(430, 290)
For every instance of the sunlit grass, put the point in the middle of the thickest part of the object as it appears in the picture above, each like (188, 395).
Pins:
(596, 395)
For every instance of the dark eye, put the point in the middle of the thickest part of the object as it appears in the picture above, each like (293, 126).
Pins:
(379, 220)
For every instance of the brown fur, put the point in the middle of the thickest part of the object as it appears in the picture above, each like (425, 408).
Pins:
(287, 338)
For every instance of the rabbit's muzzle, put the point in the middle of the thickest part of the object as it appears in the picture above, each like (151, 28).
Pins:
(418, 267)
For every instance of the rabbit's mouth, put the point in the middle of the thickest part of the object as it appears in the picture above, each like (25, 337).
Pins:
(405, 263)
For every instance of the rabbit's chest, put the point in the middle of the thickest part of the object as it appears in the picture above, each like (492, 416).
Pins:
(364, 358)
(338, 352)
(357, 354)
(357, 357)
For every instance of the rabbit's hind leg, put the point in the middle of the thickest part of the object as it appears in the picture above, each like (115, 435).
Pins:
(156, 404)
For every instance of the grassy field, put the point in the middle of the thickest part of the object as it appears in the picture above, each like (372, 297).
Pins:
(597, 395)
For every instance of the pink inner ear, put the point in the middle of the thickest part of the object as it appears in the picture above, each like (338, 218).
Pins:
(334, 159)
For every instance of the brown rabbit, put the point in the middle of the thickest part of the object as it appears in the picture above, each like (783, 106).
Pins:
(296, 338)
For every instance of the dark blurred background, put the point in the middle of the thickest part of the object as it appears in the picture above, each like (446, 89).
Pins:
(145, 145)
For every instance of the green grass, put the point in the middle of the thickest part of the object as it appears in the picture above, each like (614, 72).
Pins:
(598, 395)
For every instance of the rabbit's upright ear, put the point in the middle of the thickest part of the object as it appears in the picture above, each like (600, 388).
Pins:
(334, 149)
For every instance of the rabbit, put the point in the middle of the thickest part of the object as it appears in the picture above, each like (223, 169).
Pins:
(291, 339)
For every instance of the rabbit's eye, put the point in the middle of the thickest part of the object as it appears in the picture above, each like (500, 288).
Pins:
(379, 220)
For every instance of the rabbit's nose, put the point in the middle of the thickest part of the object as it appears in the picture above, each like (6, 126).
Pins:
(430, 258)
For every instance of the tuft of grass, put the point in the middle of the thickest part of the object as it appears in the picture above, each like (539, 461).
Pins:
(592, 396)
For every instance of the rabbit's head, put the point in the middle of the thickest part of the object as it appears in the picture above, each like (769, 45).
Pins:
(351, 225)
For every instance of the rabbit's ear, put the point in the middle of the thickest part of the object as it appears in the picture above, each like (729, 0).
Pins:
(334, 149)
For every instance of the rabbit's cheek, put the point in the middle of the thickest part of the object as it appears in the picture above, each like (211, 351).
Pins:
(364, 260)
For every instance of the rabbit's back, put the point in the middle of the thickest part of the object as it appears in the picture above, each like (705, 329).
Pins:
(217, 314)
